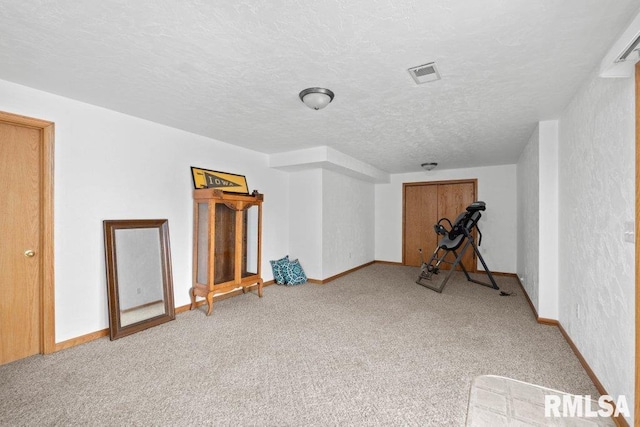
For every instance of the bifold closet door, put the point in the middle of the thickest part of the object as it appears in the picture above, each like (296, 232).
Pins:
(421, 213)
(453, 199)
(424, 205)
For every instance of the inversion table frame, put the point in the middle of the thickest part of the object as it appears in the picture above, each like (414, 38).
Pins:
(460, 234)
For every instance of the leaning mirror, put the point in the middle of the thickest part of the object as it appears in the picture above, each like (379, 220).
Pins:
(139, 283)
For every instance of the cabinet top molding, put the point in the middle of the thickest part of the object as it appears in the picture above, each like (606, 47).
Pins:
(212, 193)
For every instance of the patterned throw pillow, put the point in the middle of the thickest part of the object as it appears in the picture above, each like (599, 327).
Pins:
(294, 274)
(278, 268)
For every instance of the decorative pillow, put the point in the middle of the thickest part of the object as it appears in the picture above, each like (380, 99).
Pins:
(294, 274)
(278, 268)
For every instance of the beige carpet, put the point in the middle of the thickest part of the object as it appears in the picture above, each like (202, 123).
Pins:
(371, 348)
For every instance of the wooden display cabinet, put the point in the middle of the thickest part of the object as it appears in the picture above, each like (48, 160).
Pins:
(227, 246)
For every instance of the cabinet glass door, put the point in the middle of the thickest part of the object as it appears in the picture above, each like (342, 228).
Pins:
(250, 243)
(225, 244)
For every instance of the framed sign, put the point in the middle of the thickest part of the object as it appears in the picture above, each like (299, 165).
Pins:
(228, 182)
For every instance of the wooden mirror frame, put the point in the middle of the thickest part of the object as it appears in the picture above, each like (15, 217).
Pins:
(110, 226)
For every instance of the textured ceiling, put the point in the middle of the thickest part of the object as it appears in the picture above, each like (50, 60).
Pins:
(232, 70)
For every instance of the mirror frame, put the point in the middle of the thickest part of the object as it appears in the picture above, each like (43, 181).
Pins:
(110, 226)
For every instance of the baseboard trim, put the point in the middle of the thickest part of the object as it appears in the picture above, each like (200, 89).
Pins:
(83, 339)
(337, 276)
(619, 420)
(550, 322)
(583, 362)
(503, 274)
(387, 262)
(524, 291)
(495, 273)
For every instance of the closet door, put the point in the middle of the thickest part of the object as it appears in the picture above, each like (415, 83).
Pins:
(424, 204)
(420, 214)
(453, 199)
(20, 254)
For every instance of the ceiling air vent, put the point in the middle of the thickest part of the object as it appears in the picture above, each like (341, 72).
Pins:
(425, 73)
(633, 46)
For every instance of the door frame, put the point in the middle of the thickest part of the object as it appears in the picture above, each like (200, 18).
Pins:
(46, 285)
(473, 181)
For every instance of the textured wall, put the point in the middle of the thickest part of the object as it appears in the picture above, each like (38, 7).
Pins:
(112, 166)
(347, 223)
(496, 186)
(331, 222)
(305, 221)
(548, 219)
(596, 199)
(528, 211)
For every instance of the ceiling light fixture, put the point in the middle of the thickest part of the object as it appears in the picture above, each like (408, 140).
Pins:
(429, 166)
(316, 98)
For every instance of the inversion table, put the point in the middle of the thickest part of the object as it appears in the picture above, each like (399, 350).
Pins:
(459, 235)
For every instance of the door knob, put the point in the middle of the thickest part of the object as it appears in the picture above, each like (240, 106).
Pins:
(29, 253)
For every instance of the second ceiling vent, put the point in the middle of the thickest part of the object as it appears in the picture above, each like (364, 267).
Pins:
(425, 73)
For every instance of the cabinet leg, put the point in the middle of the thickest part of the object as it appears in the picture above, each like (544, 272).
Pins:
(260, 288)
(209, 303)
(193, 298)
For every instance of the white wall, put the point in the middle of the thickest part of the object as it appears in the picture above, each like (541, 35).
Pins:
(548, 220)
(347, 223)
(496, 187)
(331, 222)
(113, 166)
(596, 199)
(305, 221)
(528, 217)
(538, 219)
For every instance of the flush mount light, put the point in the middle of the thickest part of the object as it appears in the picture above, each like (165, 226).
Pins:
(429, 166)
(316, 98)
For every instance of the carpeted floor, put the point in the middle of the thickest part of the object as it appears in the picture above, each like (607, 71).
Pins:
(371, 348)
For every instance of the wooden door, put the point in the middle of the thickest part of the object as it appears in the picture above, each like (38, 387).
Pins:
(424, 204)
(20, 252)
(453, 199)
(421, 213)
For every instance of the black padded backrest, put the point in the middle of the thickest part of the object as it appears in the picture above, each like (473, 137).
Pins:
(467, 220)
